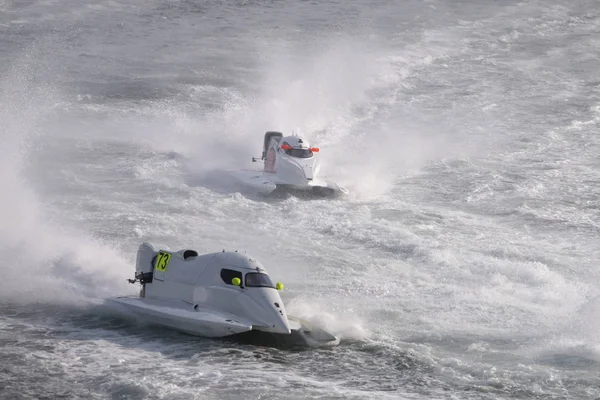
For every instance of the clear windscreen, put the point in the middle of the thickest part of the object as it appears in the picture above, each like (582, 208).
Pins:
(257, 279)
(299, 153)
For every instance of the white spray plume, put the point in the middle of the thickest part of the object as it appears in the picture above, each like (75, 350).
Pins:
(42, 262)
(345, 325)
(346, 98)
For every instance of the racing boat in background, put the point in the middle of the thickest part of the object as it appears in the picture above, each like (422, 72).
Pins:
(291, 164)
(216, 295)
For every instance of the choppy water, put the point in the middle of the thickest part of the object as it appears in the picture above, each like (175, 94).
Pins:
(464, 264)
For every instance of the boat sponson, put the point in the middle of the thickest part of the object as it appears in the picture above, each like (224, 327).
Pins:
(183, 316)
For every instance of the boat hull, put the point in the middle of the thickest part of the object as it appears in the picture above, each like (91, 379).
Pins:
(182, 317)
(303, 334)
(267, 183)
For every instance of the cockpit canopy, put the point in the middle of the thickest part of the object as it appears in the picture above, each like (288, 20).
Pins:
(297, 147)
(252, 279)
(298, 153)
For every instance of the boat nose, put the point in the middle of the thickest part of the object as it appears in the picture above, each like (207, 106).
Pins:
(279, 324)
(268, 311)
(278, 321)
(308, 173)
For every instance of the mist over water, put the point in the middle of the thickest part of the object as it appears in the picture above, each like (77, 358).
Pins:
(463, 263)
(43, 260)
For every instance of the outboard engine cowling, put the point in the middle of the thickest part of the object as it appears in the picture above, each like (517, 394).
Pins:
(144, 265)
(268, 136)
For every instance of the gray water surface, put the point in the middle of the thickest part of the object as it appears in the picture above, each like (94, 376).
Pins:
(462, 265)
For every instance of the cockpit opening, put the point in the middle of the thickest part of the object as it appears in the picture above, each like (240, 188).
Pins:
(189, 253)
(228, 274)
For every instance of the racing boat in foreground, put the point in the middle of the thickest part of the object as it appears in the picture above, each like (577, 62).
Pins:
(216, 295)
(289, 163)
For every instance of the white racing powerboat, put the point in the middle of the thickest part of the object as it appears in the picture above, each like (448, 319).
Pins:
(289, 163)
(216, 295)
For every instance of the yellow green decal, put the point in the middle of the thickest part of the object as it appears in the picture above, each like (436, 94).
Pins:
(162, 261)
